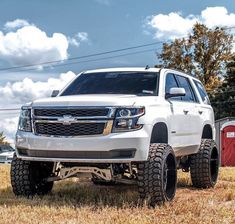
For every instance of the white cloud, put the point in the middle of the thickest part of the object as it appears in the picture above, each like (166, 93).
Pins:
(174, 25)
(217, 16)
(22, 43)
(18, 93)
(82, 36)
(17, 23)
(9, 126)
(30, 45)
(104, 2)
(28, 90)
(78, 38)
(73, 41)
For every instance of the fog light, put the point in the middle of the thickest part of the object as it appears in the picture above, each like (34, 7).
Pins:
(125, 123)
(122, 123)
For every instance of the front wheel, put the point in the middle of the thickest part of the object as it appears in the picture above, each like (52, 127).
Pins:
(204, 166)
(28, 177)
(157, 177)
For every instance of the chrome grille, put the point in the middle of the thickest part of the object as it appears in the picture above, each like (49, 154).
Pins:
(75, 112)
(75, 129)
(72, 121)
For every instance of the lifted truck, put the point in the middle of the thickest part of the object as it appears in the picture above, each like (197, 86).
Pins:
(120, 125)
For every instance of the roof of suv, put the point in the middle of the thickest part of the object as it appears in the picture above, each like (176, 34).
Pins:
(135, 69)
(126, 69)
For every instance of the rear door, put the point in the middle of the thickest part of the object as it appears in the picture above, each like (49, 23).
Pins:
(204, 109)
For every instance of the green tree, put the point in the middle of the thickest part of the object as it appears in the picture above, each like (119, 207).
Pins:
(203, 54)
(223, 98)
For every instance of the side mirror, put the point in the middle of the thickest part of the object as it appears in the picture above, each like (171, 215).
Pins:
(55, 93)
(175, 91)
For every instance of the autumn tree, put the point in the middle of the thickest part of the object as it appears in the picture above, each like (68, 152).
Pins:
(223, 98)
(203, 53)
(3, 139)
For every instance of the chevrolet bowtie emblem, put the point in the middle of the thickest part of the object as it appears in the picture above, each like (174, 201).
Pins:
(66, 119)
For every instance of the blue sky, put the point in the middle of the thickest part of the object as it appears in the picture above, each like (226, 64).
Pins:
(110, 25)
(33, 31)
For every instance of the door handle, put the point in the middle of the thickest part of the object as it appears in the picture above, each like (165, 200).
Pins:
(200, 112)
(185, 112)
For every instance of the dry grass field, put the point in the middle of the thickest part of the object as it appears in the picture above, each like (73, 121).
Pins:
(73, 202)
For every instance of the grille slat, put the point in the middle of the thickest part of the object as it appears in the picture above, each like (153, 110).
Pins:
(76, 112)
(75, 129)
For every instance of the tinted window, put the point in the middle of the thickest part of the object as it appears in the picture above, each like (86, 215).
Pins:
(136, 83)
(171, 83)
(202, 92)
(184, 83)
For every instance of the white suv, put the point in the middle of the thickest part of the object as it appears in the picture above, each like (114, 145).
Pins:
(120, 125)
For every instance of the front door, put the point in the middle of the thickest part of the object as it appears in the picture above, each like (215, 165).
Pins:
(184, 119)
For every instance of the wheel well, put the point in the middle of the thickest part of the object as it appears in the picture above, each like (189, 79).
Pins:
(207, 132)
(159, 133)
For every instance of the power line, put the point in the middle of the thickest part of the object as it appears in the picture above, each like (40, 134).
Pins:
(87, 56)
(93, 60)
(81, 57)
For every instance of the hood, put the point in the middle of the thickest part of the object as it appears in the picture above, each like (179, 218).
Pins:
(7, 154)
(96, 100)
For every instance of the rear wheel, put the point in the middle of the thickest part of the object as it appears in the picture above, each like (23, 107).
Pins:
(157, 177)
(28, 177)
(204, 166)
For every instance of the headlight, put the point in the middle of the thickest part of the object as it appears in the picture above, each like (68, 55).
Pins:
(127, 118)
(25, 120)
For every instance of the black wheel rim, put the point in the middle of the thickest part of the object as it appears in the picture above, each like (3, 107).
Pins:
(169, 177)
(214, 164)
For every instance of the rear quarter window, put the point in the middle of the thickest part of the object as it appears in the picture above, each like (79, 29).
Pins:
(185, 83)
(202, 92)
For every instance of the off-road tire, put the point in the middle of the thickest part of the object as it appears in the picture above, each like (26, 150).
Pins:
(204, 166)
(27, 177)
(157, 177)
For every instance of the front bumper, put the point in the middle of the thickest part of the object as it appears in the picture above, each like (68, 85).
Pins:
(113, 148)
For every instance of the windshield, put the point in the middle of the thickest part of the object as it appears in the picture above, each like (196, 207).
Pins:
(137, 83)
(6, 149)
